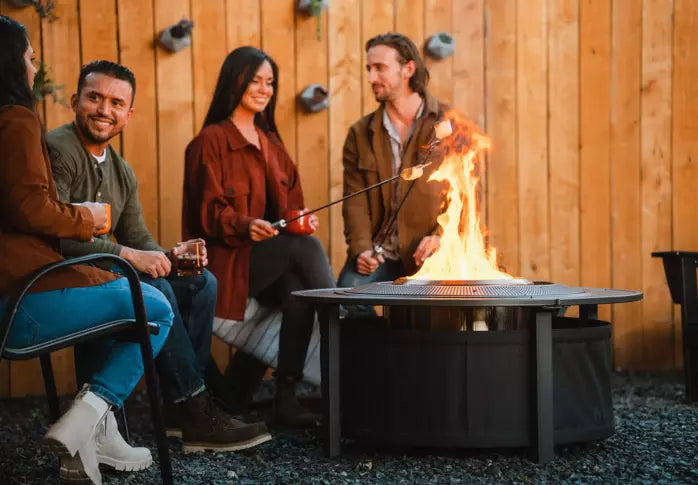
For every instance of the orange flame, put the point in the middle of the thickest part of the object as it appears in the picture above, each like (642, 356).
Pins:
(463, 254)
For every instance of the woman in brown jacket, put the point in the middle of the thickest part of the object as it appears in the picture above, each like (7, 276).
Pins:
(66, 301)
(238, 178)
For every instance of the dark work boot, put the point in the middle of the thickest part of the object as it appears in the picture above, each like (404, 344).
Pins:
(207, 427)
(288, 411)
(172, 416)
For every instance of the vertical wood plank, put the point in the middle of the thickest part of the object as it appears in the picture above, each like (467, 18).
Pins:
(655, 195)
(501, 110)
(311, 128)
(175, 120)
(532, 99)
(469, 77)
(469, 59)
(243, 23)
(208, 53)
(563, 115)
(438, 17)
(409, 20)
(684, 139)
(376, 18)
(140, 145)
(625, 179)
(278, 32)
(98, 30)
(344, 37)
(595, 210)
(61, 40)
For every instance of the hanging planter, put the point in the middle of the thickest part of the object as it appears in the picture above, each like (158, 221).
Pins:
(44, 87)
(178, 36)
(440, 45)
(45, 8)
(315, 98)
(314, 8)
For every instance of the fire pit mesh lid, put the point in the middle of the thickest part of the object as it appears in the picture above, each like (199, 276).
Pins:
(537, 289)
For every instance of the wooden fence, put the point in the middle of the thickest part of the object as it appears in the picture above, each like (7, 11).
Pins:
(591, 106)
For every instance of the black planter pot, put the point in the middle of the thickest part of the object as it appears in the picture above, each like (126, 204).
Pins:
(471, 389)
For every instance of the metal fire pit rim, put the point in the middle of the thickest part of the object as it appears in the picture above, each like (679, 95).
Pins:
(591, 296)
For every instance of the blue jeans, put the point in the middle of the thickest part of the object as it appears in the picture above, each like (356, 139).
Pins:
(350, 278)
(182, 361)
(111, 367)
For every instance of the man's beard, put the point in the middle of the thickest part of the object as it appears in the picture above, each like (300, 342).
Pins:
(93, 137)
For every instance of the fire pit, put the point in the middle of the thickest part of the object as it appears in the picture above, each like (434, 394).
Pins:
(423, 376)
(466, 354)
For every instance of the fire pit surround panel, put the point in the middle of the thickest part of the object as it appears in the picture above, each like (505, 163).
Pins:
(421, 375)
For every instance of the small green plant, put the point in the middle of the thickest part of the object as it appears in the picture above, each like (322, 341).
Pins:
(316, 10)
(44, 86)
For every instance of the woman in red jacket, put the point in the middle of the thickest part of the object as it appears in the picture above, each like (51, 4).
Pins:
(238, 178)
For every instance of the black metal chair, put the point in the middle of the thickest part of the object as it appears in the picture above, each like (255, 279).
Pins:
(135, 330)
(680, 269)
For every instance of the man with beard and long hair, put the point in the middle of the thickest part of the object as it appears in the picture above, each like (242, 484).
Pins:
(379, 146)
(87, 168)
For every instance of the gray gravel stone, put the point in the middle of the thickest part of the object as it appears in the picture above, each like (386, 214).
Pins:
(655, 443)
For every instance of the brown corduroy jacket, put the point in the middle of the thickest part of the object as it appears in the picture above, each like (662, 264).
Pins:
(31, 217)
(226, 185)
(368, 159)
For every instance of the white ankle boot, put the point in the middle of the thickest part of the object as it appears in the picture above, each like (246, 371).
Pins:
(113, 450)
(72, 437)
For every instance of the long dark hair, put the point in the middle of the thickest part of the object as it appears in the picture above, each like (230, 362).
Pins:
(14, 87)
(239, 68)
(406, 52)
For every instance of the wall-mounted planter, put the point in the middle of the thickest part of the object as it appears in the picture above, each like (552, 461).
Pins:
(313, 7)
(178, 36)
(314, 98)
(45, 8)
(440, 45)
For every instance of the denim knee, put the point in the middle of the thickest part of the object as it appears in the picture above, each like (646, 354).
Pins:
(158, 310)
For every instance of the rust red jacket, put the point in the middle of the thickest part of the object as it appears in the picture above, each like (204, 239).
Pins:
(31, 217)
(227, 181)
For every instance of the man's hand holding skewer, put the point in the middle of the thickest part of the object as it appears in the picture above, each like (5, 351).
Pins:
(366, 263)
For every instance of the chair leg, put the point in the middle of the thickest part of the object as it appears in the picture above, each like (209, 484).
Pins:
(50, 387)
(127, 435)
(156, 411)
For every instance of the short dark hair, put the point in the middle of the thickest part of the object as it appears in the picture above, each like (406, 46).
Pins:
(111, 69)
(14, 86)
(406, 52)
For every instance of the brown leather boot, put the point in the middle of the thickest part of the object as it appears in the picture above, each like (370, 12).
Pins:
(288, 411)
(207, 427)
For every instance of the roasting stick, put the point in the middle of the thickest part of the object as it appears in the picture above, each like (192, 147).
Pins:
(411, 173)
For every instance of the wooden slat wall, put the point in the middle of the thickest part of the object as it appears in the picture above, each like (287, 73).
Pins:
(590, 105)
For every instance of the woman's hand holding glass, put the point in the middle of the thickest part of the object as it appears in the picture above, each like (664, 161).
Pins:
(99, 214)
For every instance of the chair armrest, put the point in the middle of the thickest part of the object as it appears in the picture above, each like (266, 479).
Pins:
(129, 272)
(680, 270)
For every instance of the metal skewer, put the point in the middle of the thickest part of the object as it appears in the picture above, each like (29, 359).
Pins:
(284, 222)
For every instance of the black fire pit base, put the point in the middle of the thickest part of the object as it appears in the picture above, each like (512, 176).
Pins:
(471, 389)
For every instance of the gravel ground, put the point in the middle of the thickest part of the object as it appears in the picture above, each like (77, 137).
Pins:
(656, 441)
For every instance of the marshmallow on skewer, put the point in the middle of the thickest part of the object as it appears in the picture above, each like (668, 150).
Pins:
(443, 129)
